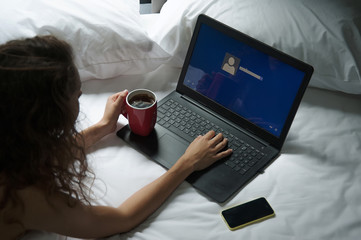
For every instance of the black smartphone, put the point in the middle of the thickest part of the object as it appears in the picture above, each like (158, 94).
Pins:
(247, 213)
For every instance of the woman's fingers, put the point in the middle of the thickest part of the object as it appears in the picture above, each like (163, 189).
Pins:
(223, 154)
(210, 134)
(218, 141)
(222, 144)
(217, 138)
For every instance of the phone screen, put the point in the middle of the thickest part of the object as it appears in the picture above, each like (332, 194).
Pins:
(247, 213)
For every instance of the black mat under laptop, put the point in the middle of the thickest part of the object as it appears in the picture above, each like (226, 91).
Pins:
(233, 84)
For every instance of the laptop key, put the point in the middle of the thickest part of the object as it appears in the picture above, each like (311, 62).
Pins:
(230, 164)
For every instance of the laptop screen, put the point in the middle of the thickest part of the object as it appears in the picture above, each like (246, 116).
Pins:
(248, 82)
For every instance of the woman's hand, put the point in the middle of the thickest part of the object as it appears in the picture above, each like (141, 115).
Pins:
(114, 107)
(108, 124)
(205, 150)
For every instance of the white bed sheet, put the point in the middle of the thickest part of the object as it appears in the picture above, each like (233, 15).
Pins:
(314, 186)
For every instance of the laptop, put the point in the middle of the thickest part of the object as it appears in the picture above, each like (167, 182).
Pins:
(233, 84)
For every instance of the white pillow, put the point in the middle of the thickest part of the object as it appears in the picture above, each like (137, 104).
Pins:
(107, 36)
(323, 33)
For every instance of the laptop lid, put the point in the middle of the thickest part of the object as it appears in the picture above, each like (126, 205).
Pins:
(245, 81)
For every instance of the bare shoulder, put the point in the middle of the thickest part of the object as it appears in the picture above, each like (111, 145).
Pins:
(10, 225)
(53, 214)
(41, 211)
(31, 212)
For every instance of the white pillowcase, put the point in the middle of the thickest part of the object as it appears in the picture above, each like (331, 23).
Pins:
(107, 36)
(323, 33)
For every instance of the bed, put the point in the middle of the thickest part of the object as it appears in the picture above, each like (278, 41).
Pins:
(314, 186)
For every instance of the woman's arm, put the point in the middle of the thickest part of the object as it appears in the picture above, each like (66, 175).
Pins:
(98, 221)
(203, 152)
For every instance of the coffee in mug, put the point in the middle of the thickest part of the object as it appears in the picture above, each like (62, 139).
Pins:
(141, 101)
(141, 111)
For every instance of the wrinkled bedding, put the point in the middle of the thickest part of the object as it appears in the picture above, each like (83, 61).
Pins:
(314, 186)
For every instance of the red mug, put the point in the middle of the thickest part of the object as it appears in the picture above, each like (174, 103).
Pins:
(141, 111)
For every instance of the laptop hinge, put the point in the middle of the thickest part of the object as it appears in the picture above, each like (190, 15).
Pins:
(247, 132)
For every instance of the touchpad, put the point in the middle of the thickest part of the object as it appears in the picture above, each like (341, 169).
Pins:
(159, 145)
(170, 149)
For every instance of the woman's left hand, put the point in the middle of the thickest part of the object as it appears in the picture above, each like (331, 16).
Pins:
(114, 107)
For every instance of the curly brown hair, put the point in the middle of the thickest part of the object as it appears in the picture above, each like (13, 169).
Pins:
(39, 142)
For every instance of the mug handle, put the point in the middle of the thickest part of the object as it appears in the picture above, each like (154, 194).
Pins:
(125, 114)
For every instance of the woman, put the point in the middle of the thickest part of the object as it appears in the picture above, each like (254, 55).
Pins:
(43, 165)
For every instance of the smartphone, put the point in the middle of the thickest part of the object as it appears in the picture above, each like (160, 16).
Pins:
(247, 213)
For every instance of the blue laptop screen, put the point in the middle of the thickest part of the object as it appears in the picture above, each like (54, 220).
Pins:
(256, 86)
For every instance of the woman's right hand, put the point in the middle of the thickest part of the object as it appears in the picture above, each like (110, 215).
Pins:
(205, 150)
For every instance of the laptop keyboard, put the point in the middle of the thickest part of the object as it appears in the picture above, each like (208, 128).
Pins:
(188, 124)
